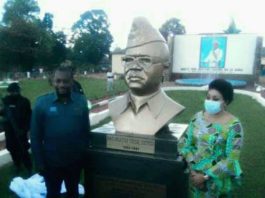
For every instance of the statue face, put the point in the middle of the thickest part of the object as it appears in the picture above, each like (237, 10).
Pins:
(142, 73)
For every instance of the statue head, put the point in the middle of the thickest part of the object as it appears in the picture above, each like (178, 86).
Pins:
(145, 57)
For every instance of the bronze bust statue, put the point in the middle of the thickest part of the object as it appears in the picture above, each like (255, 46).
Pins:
(145, 108)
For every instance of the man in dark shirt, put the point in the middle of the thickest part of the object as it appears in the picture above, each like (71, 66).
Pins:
(77, 87)
(16, 112)
(59, 134)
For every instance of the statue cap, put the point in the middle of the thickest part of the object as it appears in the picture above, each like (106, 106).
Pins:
(142, 33)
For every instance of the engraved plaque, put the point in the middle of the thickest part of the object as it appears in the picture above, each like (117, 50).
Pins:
(108, 187)
(130, 143)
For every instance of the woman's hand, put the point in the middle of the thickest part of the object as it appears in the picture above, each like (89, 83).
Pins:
(197, 179)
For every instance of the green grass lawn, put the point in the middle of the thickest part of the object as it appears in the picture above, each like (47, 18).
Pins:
(250, 112)
(93, 88)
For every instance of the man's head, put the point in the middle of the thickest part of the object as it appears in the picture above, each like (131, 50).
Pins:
(13, 89)
(215, 44)
(63, 81)
(145, 58)
(68, 63)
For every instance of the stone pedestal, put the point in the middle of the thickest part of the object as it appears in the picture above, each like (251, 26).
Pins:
(134, 166)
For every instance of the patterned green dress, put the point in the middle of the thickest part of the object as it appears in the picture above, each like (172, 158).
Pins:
(213, 149)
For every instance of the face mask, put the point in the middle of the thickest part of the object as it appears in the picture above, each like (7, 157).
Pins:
(212, 107)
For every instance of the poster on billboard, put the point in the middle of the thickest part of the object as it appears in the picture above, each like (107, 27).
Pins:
(213, 52)
(234, 54)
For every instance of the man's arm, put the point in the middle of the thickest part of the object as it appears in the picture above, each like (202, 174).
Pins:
(86, 116)
(1, 112)
(36, 135)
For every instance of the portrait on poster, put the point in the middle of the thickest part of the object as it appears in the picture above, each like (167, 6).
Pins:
(213, 52)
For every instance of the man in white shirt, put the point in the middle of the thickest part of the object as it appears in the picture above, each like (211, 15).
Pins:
(215, 56)
(110, 78)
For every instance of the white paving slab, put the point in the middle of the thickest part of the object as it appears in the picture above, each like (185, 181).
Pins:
(2, 136)
(5, 157)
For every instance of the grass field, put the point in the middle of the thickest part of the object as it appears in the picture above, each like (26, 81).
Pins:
(250, 112)
(93, 88)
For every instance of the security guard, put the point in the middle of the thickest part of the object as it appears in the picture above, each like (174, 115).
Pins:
(16, 114)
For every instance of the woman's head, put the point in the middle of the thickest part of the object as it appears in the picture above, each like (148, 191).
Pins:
(224, 88)
(220, 94)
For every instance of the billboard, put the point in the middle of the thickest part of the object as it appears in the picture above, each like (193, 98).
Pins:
(220, 53)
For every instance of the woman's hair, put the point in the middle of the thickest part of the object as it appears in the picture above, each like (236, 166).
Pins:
(225, 88)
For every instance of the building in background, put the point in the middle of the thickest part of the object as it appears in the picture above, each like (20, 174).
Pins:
(116, 62)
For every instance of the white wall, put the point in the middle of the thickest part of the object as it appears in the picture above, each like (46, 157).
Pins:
(117, 64)
(239, 56)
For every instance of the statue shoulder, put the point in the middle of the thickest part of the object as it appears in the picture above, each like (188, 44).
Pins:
(171, 104)
(118, 105)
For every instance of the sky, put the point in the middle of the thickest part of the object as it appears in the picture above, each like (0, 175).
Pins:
(198, 16)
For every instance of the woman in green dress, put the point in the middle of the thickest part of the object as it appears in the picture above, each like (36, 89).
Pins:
(212, 145)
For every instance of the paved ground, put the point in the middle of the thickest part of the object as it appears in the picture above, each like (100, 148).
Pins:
(2, 145)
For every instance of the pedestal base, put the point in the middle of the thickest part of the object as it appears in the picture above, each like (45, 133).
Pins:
(123, 174)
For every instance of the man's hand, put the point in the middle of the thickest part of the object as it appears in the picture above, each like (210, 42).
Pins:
(197, 179)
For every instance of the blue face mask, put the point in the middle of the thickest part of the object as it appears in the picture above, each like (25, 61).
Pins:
(212, 107)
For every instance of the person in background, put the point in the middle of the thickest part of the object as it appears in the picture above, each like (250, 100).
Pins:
(110, 79)
(59, 134)
(212, 144)
(76, 87)
(215, 56)
(16, 113)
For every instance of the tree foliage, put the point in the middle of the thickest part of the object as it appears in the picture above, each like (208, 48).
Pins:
(92, 38)
(51, 45)
(27, 41)
(47, 21)
(24, 10)
(232, 29)
(172, 27)
(18, 34)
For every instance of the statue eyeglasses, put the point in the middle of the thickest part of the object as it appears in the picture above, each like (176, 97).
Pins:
(142, 61)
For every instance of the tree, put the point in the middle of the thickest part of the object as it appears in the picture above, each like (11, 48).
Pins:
(172, 27)
(18, 45)
(51, 48)
(19, 34)
(47, 21)
(232, 29)
(92, 38)
(25, 10)
(59, 50)
(27, 41)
